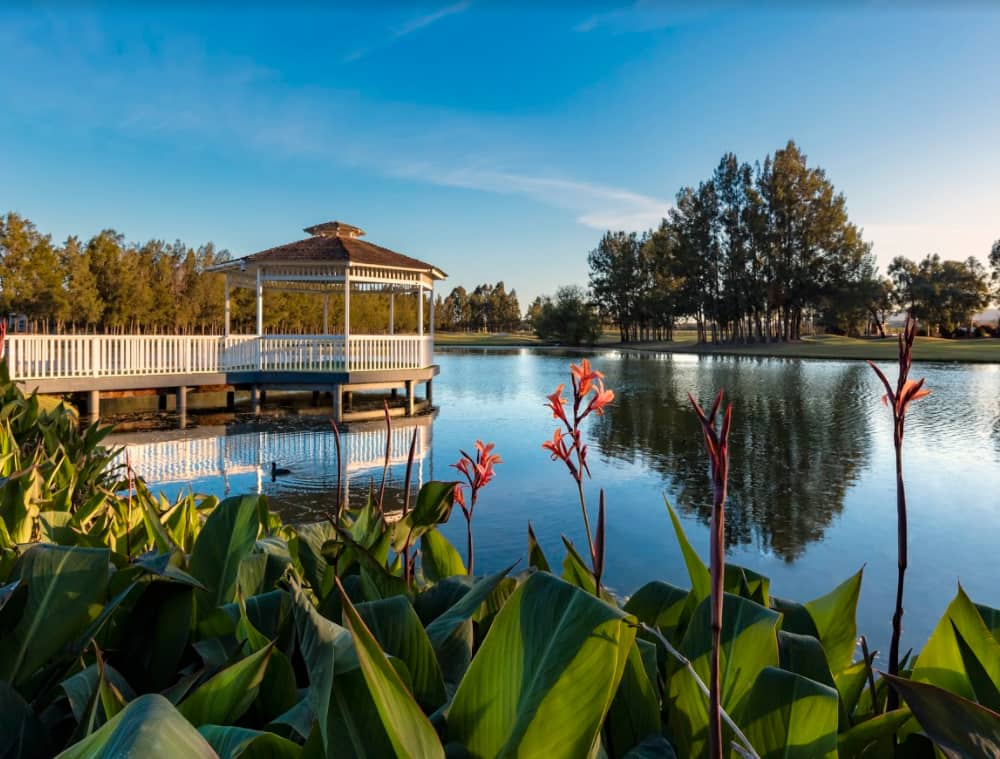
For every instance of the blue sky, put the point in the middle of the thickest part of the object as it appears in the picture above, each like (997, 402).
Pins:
(496, 140)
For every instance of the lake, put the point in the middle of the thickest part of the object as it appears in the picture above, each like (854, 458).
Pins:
(812, 486)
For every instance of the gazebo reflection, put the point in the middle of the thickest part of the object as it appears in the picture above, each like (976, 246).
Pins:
(220, 460)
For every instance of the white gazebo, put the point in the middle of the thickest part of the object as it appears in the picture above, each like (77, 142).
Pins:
(333, 262)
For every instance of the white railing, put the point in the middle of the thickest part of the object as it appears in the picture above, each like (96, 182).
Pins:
(68, 356)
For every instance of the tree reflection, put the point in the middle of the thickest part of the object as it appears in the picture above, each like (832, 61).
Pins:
(800, 438)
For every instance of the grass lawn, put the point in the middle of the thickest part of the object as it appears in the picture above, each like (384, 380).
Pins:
(983, 350)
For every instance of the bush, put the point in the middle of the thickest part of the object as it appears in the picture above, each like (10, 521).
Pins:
(570, 318)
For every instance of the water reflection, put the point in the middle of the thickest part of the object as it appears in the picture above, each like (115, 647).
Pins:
(238, 459)
(799, 440)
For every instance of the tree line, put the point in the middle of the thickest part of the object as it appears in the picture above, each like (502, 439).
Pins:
(755, 252)
(106, 284)
(488, 308)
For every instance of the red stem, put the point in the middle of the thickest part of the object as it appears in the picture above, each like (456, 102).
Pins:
(892, 701)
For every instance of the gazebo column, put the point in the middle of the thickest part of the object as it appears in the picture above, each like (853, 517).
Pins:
(227, 305)
(420, 310)
(260, 301)
(326, 314)
(392, 312)
(347, 320)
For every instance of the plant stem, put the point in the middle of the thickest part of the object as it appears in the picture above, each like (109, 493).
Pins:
(686, 663)
(892, 701)
(718, 557)
(586, 519)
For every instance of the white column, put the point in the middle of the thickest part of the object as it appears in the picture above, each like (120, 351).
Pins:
(347, 319)
(432, 311)
(227, 305)
(326, 314)
(420, 310)
(392, 312)
(260, 302)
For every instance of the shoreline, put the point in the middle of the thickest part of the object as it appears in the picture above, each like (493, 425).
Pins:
(826, 347)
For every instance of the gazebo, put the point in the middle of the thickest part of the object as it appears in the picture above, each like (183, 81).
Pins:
(332, 263)
(333, 260)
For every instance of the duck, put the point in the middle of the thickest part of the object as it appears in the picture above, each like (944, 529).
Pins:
(277, 471)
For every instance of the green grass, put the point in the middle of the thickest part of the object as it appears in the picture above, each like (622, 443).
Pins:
(984, 350)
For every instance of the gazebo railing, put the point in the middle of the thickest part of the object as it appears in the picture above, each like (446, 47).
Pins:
(43, 357)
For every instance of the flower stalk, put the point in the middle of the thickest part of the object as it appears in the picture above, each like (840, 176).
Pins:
(898, 400)
(589, 397)
(717, 446)
(478, 473)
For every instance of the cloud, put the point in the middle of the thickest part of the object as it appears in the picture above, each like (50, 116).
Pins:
(409, 27)
(595, 205)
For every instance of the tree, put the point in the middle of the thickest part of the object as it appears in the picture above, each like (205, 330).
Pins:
(84, 305)
(569, 318)
(30, 274)
(944, 295)
(995, 276)
(615, 280)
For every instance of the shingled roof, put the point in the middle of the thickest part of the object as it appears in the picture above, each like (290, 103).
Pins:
(336, 242)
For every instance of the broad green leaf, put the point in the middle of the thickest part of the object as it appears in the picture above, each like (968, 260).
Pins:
(789, 715)
(983, 688)
(227, 695)
(162, 565)
(635, 710)
(940, 662)
(409, 730)
(877, 730)
(233, 742)
(398, 631)
(438, 557)
(355, 727)
(444, 625)
(991, 618)
(22, 734)
(653, 747)
(749, 644)
(959, 727)
(317, 637)
(311, 538)
(149, 726)
(536, 557)
(741, 581)
(434, 504)
(544, 678)
(63, 586)
(803, 655)
(701, 583)
(835, 617)
(660, 605)
(850, 683)
(227, 537)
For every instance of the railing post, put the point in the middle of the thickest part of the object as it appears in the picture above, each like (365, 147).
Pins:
(95, 356)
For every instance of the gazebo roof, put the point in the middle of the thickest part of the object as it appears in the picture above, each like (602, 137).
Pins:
(332, 242)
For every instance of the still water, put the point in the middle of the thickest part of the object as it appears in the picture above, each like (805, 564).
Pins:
(812, 489)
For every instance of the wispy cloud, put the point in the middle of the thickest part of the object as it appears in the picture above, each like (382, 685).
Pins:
(595, 205)
(409, 27)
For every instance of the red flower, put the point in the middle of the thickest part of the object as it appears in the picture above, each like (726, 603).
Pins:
(601, 399)
(583, 376)
(556, 403)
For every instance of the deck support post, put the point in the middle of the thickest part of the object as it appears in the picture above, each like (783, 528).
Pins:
(161, 401)
(315, 398)
(338, 404)
(181, 406)
(255, 399)
(409, 398)
(94, 406)
(230, 400)
(429, 391)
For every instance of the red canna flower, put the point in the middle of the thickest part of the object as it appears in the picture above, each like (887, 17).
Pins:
(556, 403)
(601, 399)
(478, 472)
(583, 377)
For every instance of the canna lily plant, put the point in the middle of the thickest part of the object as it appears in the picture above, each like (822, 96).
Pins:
(478, 473)
(589, 397)
(898, 399)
